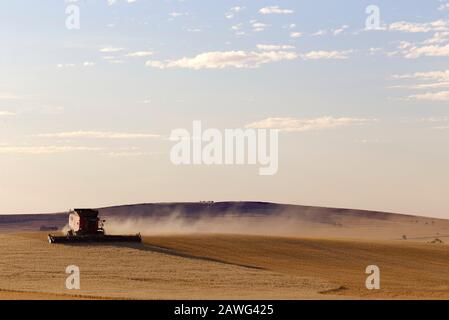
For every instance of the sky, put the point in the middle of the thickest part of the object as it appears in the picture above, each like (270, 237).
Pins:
(86, 109)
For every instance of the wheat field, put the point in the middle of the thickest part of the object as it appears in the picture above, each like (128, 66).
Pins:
(222, 267)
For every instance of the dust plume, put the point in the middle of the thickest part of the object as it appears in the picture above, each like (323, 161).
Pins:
(176, 223)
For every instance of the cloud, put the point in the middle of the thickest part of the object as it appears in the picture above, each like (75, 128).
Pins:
(8, 96)
(319, 33)
(129, 154)
(443, 7)
(233, 11)
(98, 135)
(317, 55)
(155, 64)
(140, 54)
(193, 30)
(403, 26)
(237, 9)
(438, 37)
(426, 80)
(301, 125)
(295, 34)
(7, 113)
(275, 10)
(237, 27)
(258, 26)
(429, 75)
(436, 46)
(335, 32)
(175, 14)
(66, 65)
(43, 149)
(73, 65)
(112, 2)
(111, 49)
(245, 59)
(428, 51)
(339, 30)
(225, 59)
(434, 85)
(430, 96)
(435, 119)
(268, 47)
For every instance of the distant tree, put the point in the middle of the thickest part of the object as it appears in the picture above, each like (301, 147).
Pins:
(404, 237)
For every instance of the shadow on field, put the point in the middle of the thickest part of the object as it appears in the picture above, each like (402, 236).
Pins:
(171, 252)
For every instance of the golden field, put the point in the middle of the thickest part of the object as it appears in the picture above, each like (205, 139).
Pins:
(211, 266)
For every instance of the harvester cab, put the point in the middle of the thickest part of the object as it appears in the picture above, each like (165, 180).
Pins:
(86, 226)
(85, 221)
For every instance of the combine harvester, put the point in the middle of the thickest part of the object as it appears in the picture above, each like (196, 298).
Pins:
(86, 226)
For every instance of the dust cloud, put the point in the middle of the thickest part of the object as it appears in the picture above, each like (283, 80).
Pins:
(178, 224)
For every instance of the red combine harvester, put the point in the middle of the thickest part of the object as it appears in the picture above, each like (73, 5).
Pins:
(86, 226)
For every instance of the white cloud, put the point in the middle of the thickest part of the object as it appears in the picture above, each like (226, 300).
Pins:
(175, 14)
(193, 30)
(155, 64)
(88, 64)
(7, 113)
(429, 75)
(233, 11)
(431, 96)
(237, 9)
(140, 54)
(443, 7)
(319, 33)
(426, 80)
(268, 47)
(295, 34)
(8, 96)
(237, 27)
(339, 30)
(436, 46)
(275, 10)
(129, 154)
(317, 55)
(301, 125)
(435, 119)
(403, 26)
(66, 65)
(225, 59)
(427, 51)
(335, 32)
(36, 150)
(438, 37)
(258, 26)
(98, 135)
(112, 2)
(111, 49)
(435, 85)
